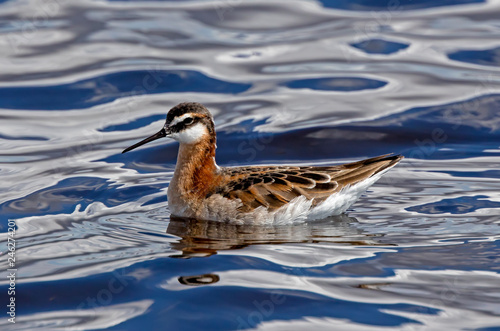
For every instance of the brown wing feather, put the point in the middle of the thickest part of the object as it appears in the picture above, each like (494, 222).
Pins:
(273, 187)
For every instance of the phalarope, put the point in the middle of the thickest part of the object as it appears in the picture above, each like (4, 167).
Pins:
(257, 194)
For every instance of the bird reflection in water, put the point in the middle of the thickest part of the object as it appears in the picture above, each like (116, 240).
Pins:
(203, 238)
(198, 279)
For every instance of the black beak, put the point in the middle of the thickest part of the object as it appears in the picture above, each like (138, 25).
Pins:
(162, 133)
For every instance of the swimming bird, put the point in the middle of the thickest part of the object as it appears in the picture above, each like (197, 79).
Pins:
(255, 194)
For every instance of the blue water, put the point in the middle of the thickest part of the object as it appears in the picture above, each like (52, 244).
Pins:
(313, 82)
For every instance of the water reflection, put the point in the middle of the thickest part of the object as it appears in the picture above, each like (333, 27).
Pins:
(203, 239)
(199, 280)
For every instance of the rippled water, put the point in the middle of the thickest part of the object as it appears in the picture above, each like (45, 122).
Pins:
(302, 82)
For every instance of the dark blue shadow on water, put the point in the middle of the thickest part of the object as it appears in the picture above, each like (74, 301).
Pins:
(33, 138)
(486, 57)
(344, 84)
(379, 46)
(420, 133)
(391, 6)
(243, 307)
(103, 89)
(474, 174)
(461, 205)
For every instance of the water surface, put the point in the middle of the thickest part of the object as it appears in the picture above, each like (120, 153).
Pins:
(313, 82)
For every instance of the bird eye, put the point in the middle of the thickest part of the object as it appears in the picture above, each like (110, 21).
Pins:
(188, 120)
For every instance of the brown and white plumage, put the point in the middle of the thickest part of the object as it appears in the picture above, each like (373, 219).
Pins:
(259, 194)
